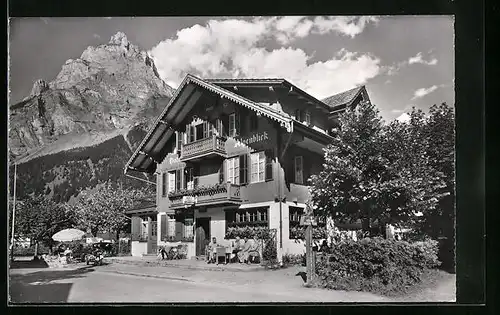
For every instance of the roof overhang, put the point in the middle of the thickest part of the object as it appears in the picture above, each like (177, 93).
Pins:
(313, 134)
(292, 89)
(152, 149)
(146, 210)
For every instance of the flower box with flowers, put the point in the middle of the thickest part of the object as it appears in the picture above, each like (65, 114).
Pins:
(198, 191)
(262, 232)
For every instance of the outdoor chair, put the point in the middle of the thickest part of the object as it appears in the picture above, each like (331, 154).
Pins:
(254, 256)
(220, 251)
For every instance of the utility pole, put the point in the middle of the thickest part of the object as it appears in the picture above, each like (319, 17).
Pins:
(13, 215)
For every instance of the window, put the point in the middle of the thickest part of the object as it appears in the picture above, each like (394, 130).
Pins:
(189, 182)
(191, 133)
(253, 215)
(171, 227)
(299, 170)
(171, 181)
(219, 127)
(207, 130)
(298, 115)
(257, 167)
(234, 124)
(178, 179)
(144, 227)
(178, 135)
(233, 170)
(295, 215)
(188, 228)
(269, 164)
(243, 169)
(263, 215)
(164, 183)
(308, 117)
(183, 227)
(244, 217)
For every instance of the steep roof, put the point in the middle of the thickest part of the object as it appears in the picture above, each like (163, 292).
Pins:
(343, 97)
(151, 147)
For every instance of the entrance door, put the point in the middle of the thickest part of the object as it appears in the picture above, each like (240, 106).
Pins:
(202, 235)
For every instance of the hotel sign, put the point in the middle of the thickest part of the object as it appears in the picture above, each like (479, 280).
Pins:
(244, 144)
(256, 138)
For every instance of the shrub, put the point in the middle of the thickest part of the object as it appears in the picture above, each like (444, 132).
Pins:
(294, 259)
(375, 265)
(30, 251)
(249, 232)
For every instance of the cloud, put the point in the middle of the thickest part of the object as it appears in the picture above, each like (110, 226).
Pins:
(397, 111)
(424, 91)
(96, 36)
(45, 20)
(216, 50)
(107, 17)
(346, 25)
(418, 59)
(404, 117)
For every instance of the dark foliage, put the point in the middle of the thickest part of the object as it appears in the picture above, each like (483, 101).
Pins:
(376, 265)
(71, 171)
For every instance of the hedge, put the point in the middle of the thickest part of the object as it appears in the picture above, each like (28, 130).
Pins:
(376, 265)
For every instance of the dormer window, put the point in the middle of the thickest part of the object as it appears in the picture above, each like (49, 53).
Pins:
(234, 124)
(308, 118)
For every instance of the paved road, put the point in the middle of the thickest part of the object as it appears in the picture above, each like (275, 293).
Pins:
(104, 284)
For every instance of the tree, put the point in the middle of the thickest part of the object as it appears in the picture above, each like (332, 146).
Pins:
(439, 221)
(102, 209)
(39, 218)
(373, 172)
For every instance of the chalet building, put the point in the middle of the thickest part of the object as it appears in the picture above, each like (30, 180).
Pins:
(233, 153)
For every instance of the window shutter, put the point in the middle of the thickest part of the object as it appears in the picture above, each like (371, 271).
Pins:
(164, 183)
(205, 130)
(237, 123)
(178, 179)
(136, 228)
(179, 141)
(243, 168)
(221, 172)
(269, 164)
(164, 227)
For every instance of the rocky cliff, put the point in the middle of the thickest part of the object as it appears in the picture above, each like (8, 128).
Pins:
(105, 99)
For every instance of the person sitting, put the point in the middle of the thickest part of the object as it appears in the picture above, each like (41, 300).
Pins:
(254, 250)
(243, 253)
(237, 247)
(212, 250)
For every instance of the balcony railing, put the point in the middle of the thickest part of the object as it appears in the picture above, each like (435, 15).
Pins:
(214, 144)
(200, 196)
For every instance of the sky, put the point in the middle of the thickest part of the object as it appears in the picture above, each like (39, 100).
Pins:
(403, 61)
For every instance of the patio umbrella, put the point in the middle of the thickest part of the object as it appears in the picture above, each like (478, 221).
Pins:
(68, 235)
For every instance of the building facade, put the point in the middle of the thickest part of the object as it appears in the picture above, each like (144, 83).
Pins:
(230, 154)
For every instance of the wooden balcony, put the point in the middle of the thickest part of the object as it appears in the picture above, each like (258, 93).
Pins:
(214, 145)
(226, 193)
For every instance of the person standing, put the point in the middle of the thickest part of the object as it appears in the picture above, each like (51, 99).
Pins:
(211, 250)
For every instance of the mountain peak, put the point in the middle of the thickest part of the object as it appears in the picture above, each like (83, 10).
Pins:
(39, 87)
(119, 39)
